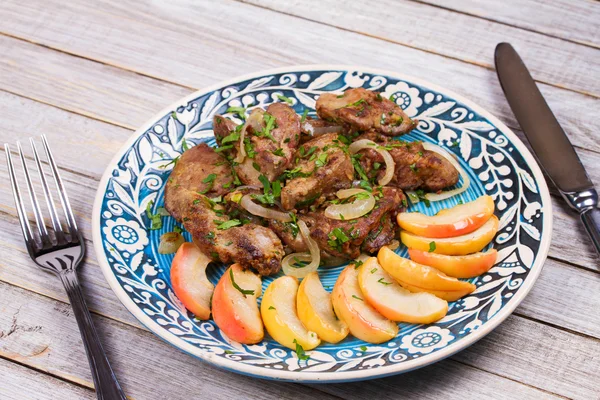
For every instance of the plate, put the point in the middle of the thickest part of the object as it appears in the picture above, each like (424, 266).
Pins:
(496, 160)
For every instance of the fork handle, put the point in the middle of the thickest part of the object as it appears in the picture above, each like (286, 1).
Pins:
(105, 381)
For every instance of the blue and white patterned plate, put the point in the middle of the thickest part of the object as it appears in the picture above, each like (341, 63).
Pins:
(496, 160)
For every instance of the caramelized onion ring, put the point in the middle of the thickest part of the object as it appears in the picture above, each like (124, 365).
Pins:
(264, 212)
(314, 256)
(353, 210)
(390, 165)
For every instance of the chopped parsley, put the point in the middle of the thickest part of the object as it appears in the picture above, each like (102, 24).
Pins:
(177, 229)
(235, 285)
(356, 103)
(240, 111)
(173, 161)
(286, 99)
(270, 124)
(374, 270)
(272, 308)
(357, 263)
(300, 351)
(184, 145)
(155, 219)
(210, 180)
(278, 152)
(321, 160)
(383, 282)
(337, 238)
(363, 348)
(304, 115)
(223, 148)
(357, 298)
(431, 247)
(228, 224)
(232, 137)
(256, 166)
(413, 167)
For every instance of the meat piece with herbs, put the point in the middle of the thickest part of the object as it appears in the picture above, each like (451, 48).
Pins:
(363, 110)
(416, 168)
(270, 141)
(346, 238)
(323, 166)
(205, 218)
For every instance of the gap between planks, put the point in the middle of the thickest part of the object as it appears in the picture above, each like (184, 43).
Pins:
(472, 62)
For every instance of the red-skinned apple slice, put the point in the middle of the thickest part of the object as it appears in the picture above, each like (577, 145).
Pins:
(451, 222)
(395, 302)
(235, 309)
(188, 278)
(457, 266)
(364, 321)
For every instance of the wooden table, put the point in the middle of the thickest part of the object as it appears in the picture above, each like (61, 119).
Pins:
(87, 74)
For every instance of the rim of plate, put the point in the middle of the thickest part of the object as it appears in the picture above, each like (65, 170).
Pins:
(241, 367)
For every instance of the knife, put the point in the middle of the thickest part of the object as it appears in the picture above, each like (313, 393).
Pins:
(550, 144)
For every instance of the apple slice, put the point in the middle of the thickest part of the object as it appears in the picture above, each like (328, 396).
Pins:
(393, 301)
(450, 222)
(455, 246)
(421, 278)
(456, 266)
(316, 311)
(364, 321)
(278, 310)
(235, 309)
(188, 278)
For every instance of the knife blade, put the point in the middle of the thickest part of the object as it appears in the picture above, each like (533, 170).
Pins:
(548, 140)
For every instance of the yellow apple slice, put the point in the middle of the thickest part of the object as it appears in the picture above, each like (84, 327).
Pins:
(457, 266)
(450, 222)
(235, 309)
(189, 282)
(278, 310)
(316, 311)
(455, 246)
(395, 302)
(422, 278)
(364, 321)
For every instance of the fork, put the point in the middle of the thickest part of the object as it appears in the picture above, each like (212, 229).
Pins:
(61, 251)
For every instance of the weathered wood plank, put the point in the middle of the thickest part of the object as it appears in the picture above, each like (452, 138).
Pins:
(233, 47)
(567, 19)
(455, 35)
(20, 383)
(85, 87)
(43, 334)
(46, 325)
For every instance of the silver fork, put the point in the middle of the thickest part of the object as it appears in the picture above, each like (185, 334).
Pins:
(61, 253)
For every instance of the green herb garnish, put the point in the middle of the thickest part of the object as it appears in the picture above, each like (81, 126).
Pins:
(286, 99)
(235, 285)
(228, 224)
(431, 247)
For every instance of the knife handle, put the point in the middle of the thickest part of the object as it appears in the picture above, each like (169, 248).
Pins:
(591, 221)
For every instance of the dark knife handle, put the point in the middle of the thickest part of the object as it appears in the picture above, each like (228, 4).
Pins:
(591, 221)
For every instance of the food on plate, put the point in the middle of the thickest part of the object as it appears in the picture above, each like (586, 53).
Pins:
(450, 222)
(362, 110)
(245, 201)
(235, 307)
(415, 167)
(170, 242)
(393, 301)
(315, 310)
(189, 282)
(278, 310)
(468, 266)
(364, 321)
(422, 278)
(454, 246)
(193, 196)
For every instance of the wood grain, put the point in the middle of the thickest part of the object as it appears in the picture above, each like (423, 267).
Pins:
(572, 20)
(42, 333)
(20, 383)
(457, 35)
(107, 33)
(45, 325)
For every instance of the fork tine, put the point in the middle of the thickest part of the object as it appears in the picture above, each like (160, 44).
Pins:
(64, 199)
(25, 227)
(37, 212)
(47, 194)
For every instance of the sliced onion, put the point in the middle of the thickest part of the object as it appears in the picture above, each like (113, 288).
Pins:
(466, 181)
(314, 256)
(390, 165)
(255, 120)
(264, 212)
(353, 210)
(170, 242)
(394, 244)
(316, 129)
